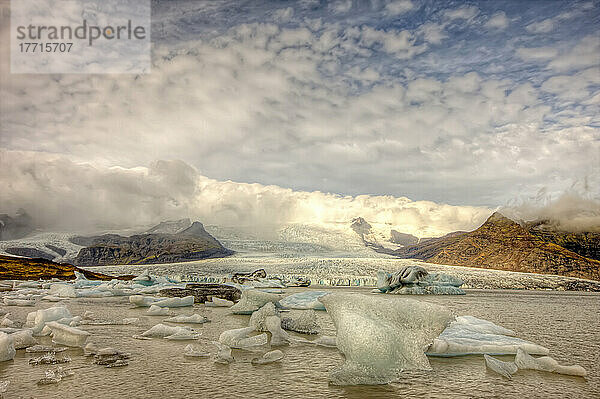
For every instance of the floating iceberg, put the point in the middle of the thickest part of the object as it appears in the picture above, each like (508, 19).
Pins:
(240, 338)
(38, 319)
(143, 301)
(380, 335)
(192, 319)
(162, 331)
(65, 335)
(258, 318)
(44, 349)
(218, 302)
(415, 280)
(302, 321)
(175, 302)
(7, 349)
(524, 361)
(505, 369)
(23, 339)
(154, 310)
(469, 335)
(223, 355)
(252, 300)
(269, 357)
(191, 351)
(278, 335)
(19, 302)
(304, 300)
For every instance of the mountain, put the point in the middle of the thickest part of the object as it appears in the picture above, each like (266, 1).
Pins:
(14, 268)
(402, 238)
(191, 244)
(170, 226)
(15, 227)
(500, 243)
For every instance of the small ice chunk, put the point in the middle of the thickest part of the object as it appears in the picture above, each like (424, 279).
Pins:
(55, 376)
(65, 335)
(505, 369)
(162, 331)
(269, 357)
(257, 320)
(23, 339)
(192, 319)
(7, 349)
(19, 302)
(239, 338)
(218, 302)
(304, 300)
(49, 358)
(140, 337)
(37, 320)
(183, 335)
(191, 351)
(154, 310)
(63, 290)
(525, 361)
(142, 300)
(278, 336)
(45, 349)
(302, 321)
(223, 355)
(252, 300)
(175, 302)
(326, 340)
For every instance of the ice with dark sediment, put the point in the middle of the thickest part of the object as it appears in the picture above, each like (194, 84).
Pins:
(525, 361)
(381, 336)
(44, 349)
(505, 369)
(55, 376)
(468, 335)
(49, 358)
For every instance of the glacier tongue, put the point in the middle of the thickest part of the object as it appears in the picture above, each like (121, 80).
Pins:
(381, 336)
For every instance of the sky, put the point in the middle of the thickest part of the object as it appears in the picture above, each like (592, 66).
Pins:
(428, 105)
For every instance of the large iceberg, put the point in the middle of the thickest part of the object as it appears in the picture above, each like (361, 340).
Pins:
(7, 349)
(469, 335)
(415, 280)
(65, 335)
(252, 300)
(381, 335)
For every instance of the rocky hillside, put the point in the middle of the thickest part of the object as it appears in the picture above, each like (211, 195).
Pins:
(15, 268)
(190, 244)
(503, 244)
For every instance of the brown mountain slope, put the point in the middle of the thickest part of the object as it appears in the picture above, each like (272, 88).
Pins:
(503, 244)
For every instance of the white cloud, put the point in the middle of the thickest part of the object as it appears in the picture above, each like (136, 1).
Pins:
(586, 53)
(283, 14)
(536, 53)
(464, 12)
(573, 87)
(432, 32)
(398, 7)
(498, 21)
(341, 7)
(544, 26)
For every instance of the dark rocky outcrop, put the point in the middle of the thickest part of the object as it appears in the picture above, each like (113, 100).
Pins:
(242, 278)
(60, 251)
(402, 238)
(14, 268)
(191, 244)
(203, 292)
(15, 227)
(503, 244)
(29, 253)
(586, 243)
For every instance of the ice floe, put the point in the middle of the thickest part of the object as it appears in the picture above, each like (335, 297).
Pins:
(269, 357)
(524, 361)
(505, 369)
(65, 335)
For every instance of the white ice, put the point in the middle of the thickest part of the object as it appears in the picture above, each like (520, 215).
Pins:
(252, 300)
(269, 357)
(175, 302)
(38, 319)
(191, 351)
(23, 339)
(240, 338)
(304, 300)
(505, 369)
(257, 320)
(302, 321)
(154, 310)
(469, 335)
(326, 340)
(382, 335)
(62, 290)
(524, 361)
(218, 302)
(143, 301)
(19, 302)
(193, 319)
(183, 335)
(162, 331)
(65, 335)
(223, 355)
(7, 349)
(278, 335)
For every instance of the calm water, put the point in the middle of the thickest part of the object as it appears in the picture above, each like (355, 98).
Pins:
(567, 323)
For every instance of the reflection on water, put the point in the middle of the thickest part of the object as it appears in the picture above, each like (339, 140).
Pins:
(567, 323)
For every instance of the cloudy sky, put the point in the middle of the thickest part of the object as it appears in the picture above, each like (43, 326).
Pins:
(472, 104)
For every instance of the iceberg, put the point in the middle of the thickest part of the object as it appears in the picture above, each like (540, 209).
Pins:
(252, 300)
(468, 335)
(524, 361)
(19, 302)
(326, 341)
(38, 319)
(175, 302)
(7, 349)
(162, 331)
(65, 335)
(278, 336)
(192, 319)
(381, 335)
(44, 349)
(269, 357)
(505, 369)
(258, 318)
(183, 335)
(143, 301)
(218, 302)
(302, 321)
(63, 291)
(154, 310)
(415, 280)
(223, 355)
(240, 338)
(304, 300)
(23, 339)
(191, 351)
